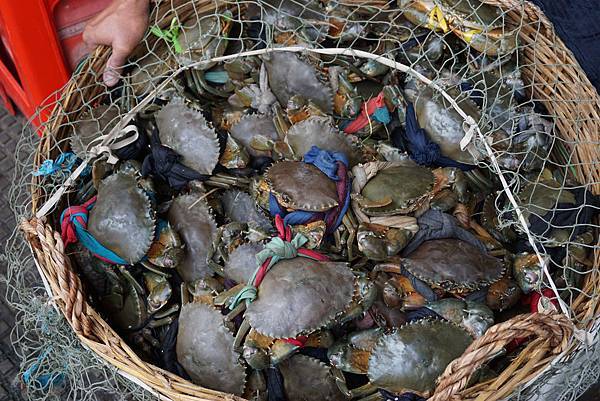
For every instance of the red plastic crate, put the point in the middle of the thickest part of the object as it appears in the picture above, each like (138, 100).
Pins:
(40, 45)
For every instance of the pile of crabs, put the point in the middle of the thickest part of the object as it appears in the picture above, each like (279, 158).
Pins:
(295, 226)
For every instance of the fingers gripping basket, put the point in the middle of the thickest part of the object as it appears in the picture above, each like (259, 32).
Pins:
(552, 76)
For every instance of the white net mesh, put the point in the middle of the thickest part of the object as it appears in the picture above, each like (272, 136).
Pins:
(469, 52)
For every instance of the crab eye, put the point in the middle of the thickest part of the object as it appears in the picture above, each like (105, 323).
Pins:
(531, 277)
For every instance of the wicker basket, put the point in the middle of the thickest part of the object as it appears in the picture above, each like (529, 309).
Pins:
(564, 90)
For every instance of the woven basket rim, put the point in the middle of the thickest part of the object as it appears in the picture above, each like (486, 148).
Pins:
(552, 333)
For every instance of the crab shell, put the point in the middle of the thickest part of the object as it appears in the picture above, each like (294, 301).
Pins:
(306, 378)
(473, 14)
(539, 198)
(116, 297)
(503, 294)
(197, 228)
(352, 353)
(481, 26)
(474, 317)
(242, 262)
(317, 132)
(443, 124)
(407, 186)
(415, 355)
(301, 186)
(150, 69)
(289, 76)
(122, 219)
(92, 124)
(205, 350)
(295, 16)
(186, 131)
(299, 296)
(249, 127)
(239, 207)
(453, 265)
(498, 98)
(203, 38)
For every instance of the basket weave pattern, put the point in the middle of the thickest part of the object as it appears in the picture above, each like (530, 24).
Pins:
(564, 90)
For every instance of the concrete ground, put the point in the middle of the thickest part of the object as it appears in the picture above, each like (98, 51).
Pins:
(10, 129)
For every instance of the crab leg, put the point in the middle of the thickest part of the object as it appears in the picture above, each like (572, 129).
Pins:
(161, 322)
(154, 269)
(235, 312)
(363, 391)
(131, 280)
(241, 333)
(350, 223)
(169, 311)
(388, 268)
(373, 397)
(225, 296)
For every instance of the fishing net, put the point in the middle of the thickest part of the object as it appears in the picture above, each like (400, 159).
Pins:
(520, 78)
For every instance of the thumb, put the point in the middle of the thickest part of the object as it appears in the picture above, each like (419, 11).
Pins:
(114, 67)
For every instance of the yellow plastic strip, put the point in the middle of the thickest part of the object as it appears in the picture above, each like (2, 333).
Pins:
(468, 36)
(437, 20)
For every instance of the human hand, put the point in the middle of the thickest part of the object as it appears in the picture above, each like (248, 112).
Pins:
(121, 25)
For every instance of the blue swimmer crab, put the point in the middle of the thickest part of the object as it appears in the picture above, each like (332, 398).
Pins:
(295, 21)
(253, 129)
(135, 310)
(472, 316)
(299, 296)
(306, 378)
(316, 131)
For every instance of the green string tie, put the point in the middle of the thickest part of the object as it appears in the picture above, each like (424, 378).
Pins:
(170, 35)
(276, 249)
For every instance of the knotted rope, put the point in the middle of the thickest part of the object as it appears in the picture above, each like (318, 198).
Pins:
(372, 110)
(73, 224)
(335, 166)
(64, 162)
(283, 246)
(165, 163)
(554, 328)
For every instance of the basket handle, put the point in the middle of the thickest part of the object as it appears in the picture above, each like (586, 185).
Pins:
(65, 285)
(555, 329)
(526, 9)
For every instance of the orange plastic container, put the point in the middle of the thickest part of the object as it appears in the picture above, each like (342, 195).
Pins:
(40, 44)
